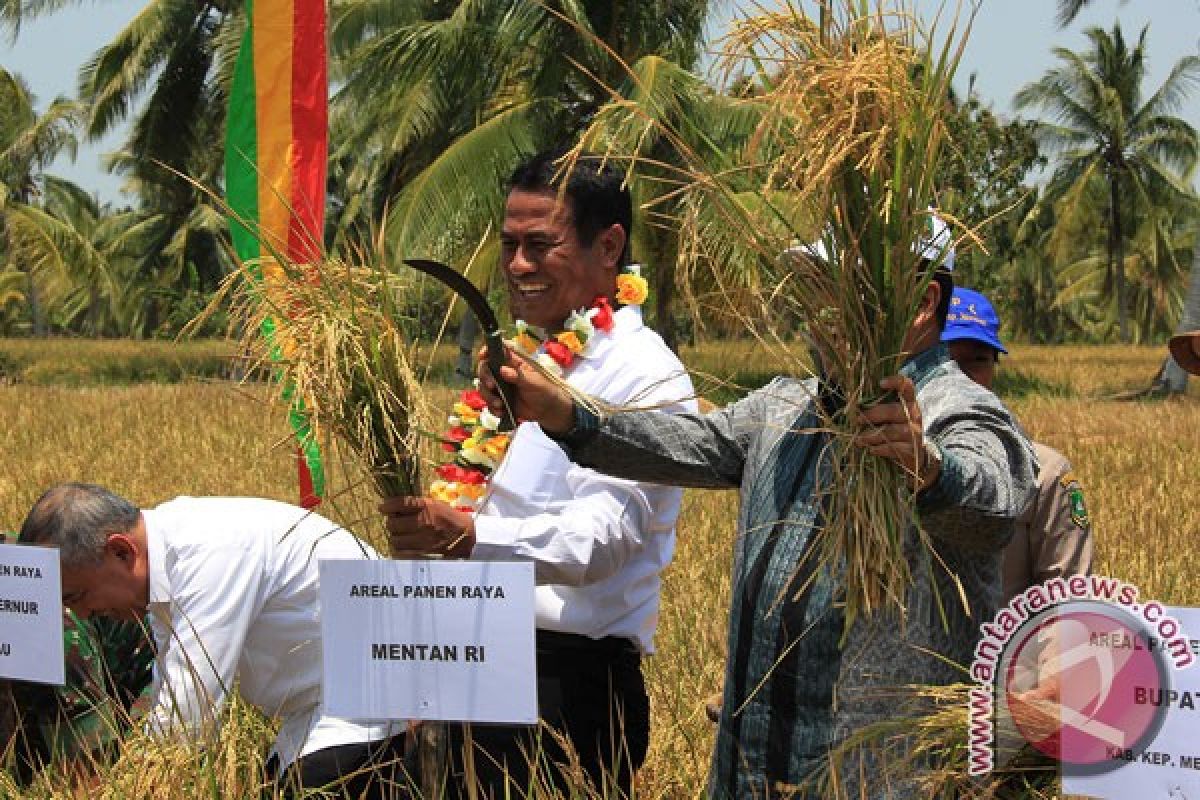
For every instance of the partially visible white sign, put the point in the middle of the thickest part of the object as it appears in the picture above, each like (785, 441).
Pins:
(31, 615)
(436, 640)
(1169, 766)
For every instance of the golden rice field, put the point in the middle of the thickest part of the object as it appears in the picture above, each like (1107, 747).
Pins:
(1138, 462)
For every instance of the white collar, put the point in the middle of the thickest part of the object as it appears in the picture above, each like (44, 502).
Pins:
(156, 566)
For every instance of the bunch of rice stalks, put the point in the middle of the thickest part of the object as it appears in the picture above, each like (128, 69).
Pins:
(815, 224)
(852, 129)
(332, 333)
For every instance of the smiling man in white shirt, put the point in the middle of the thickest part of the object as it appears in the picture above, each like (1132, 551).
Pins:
(230, 586)
(598, 543)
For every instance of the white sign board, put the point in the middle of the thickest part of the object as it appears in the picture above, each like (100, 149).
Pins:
(31, 615)
(436, 640)
(1168, 768)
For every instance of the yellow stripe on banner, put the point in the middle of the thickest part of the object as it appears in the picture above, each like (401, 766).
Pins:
(273, 29)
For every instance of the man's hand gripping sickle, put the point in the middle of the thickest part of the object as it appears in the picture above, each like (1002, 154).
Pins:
(894, 431)
(534, 396)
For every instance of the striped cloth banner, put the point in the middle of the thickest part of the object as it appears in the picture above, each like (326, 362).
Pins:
(275, 162)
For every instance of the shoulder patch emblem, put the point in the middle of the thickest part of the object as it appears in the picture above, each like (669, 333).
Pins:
(1079, 512)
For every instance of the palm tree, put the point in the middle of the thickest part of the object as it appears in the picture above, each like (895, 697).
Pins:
(184, 251)
(451, 95)
(666, 125)
(29, 142)
(1106, 135)
(169, 69)
(89, 256)
(448, 97)
(1153, 263)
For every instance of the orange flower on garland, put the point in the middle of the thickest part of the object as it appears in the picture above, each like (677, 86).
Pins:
(570, 340)
(632, 288)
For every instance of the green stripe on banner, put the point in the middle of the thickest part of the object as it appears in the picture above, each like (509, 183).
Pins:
(241, 153)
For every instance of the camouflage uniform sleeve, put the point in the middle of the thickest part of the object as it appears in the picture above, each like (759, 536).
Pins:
(106, 664)
(1060, 529)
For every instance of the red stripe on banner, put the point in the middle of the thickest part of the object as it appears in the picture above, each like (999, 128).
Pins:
(309, 148)
(308, 495)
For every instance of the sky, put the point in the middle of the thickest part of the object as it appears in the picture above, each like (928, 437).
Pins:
(1011, 45)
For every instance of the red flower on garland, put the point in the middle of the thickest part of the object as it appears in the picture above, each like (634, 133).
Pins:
(456, 474)
(560, 353)
(454, 437)
(472, 476)
(603, 319)
(473, 399)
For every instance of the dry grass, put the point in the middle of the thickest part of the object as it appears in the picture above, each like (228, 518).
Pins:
(1090, 370)
(1135, 460)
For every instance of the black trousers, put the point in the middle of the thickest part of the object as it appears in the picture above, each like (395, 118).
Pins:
(372, 771)
(590, 692)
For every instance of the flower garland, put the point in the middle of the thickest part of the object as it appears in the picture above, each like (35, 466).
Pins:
(477, 446)
(474, 439)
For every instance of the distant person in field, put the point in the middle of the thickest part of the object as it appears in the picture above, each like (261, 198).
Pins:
(1185, 349)
(1053, 536)
(799, 683)
(230, 585)
(598, 544)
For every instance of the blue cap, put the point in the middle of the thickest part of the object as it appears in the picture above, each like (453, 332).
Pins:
(972, 317)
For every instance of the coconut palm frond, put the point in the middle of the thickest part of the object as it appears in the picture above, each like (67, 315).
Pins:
(461, 185)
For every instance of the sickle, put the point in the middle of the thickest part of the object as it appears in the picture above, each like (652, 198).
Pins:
(487, 320)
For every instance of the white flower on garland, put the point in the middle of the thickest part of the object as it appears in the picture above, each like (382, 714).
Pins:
(581, 324)
(489, 420)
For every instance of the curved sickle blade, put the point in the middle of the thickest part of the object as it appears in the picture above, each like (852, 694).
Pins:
(478, 304)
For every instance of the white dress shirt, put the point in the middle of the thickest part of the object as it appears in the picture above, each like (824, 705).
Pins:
(598, 543)
(233, 597)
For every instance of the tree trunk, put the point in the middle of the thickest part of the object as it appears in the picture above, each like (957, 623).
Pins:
(36, 315)
(93, 312)
(664, 290)
(468, 331)
(1116, 255)
(1174, 379)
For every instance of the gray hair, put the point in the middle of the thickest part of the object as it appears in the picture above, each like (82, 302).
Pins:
(78, 518)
